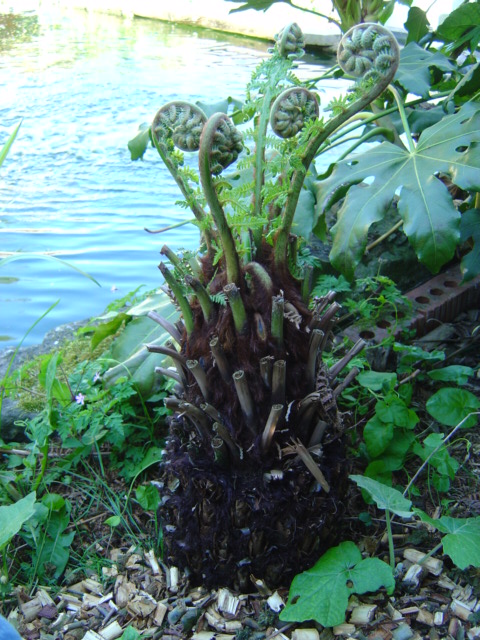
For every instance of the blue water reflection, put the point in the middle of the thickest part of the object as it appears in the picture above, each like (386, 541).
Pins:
(82, 84)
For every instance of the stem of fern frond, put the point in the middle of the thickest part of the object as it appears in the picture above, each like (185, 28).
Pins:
(298, 178)
(187, 192)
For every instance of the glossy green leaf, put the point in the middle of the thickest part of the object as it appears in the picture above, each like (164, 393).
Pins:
(377, 380)
(132, 358)
(377, 435)
(305, 216)
(55, 553)
(113, 521)
(414, 70)
(393, 456)
(14, 516)
(385, 497)
(322, 592)
(452, 405)
(430, 219)
(138, 145)
(462, 542)
(434, 450)
(393, 410)
(417, 24)
(454, 373)
(148, 497)
(465, 18)
(53, 501)
(107, 329)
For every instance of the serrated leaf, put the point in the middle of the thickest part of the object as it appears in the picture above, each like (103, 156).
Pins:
(385, 497)
(414, 69)
(452, 405)
(14, 516)
(462, 542)
(322, 592)
(430, 219)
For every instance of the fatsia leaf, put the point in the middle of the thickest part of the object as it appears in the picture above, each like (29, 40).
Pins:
(385, 497)
(322, 592)
(430, 219)
(414, 70)
(462, 542)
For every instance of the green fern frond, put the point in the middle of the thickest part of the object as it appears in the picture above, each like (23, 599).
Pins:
(219, 298)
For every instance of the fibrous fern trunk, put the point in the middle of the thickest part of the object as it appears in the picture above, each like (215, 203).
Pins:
(254, 470)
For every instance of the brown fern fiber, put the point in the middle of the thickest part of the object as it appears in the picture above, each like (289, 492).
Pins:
(224, 517)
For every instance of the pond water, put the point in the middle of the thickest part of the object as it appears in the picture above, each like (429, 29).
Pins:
(83, 83)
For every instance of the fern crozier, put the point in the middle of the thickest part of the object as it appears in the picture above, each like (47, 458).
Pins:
(368, 50)
(290, 42)
(291, 110)
(181, 121)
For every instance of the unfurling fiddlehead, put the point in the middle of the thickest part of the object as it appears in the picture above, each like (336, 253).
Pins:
(368, 51)
(224, 144)
(291, 110)
(290, 41)
(373, 49)
(181, 121)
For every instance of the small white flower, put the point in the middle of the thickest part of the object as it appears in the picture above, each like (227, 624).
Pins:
(80, 399)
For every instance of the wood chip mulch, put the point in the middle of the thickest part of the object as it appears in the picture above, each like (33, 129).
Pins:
(138, 591)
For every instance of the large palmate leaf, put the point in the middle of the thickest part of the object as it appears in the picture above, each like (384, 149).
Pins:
(414, 70)
(430, 219)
